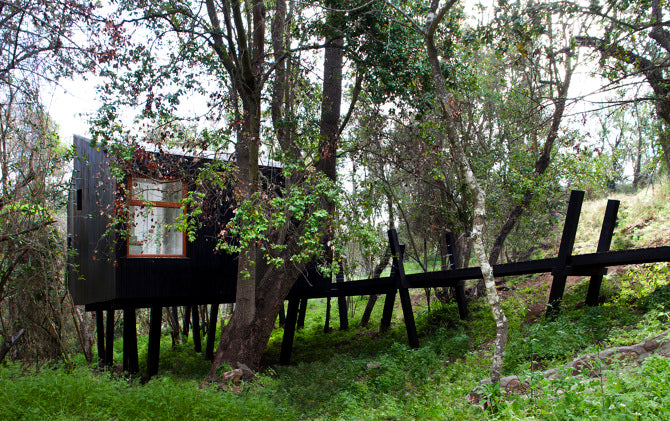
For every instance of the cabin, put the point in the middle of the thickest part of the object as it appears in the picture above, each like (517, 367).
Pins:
(124, 250)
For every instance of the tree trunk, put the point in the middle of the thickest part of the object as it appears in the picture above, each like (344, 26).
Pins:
(450, 118)
(372, 299)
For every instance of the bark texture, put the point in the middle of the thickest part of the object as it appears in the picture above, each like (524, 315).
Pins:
(450, 117)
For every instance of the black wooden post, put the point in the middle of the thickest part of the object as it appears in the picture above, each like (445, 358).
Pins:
(289, 331)
(282, 315)
(197, 342)
(559, 271)
(130, 359)
(154, 346)
(389, 301)
(604, 243)
(387, 313)
(302, 311)
(326, 324)
(342, 302)
(403, 290)
(459, 289)
(211, 331)
(109, 342)
(187, 320)
(100, 330)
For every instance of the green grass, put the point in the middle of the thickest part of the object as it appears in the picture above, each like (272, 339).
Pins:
(363, 374)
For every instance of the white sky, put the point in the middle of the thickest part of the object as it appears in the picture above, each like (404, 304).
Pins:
(73, 102)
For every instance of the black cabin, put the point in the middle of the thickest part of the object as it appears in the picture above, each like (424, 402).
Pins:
(145, 263)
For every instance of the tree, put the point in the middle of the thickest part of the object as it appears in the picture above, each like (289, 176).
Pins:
(636, 43)
(451, 115)
(226, 44)
(38, 48)
(32, 292)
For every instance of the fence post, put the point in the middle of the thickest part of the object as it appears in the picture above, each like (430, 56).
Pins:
(559, 271)
(403, 290)
(604, 243)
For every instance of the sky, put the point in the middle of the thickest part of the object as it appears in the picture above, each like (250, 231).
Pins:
(72, 103)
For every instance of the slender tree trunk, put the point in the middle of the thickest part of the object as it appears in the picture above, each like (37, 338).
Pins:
(450, 117)
(372, 299)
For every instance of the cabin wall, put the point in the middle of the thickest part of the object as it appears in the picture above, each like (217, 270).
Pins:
(103, 276)
(91, 272)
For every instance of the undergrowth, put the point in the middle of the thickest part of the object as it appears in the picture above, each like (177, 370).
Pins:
(361, 373)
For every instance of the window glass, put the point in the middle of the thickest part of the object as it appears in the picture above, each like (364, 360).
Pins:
(146, 189)
(152, 231)
(154, 208)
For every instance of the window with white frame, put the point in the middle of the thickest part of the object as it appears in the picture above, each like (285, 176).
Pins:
(154, 207)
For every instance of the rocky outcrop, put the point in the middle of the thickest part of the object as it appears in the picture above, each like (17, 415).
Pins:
(588, 364)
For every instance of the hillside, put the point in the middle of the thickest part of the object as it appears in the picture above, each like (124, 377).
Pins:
(363, 374)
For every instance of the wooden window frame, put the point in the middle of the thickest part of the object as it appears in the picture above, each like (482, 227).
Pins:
(159, 204)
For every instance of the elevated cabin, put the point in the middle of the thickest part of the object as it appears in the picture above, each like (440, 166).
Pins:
(145, 262)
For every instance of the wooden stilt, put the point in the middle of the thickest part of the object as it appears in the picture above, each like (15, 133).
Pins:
(459, 290)
(302, 311)
(109, 342)
(130, 359)
(326, 324)
(289, 331)
(197, 342)
(342, 302)
(211, 331)
(187, 320)
(604, 243)
(153, 351)
(559, 271)
(282, 316)
(401, 281)
(100, 330)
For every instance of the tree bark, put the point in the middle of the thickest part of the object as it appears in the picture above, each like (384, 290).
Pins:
(450, 118)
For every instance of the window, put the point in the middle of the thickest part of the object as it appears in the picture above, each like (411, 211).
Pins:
(154, 208)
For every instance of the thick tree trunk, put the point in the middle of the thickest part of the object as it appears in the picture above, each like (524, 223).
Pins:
(450, 118)
(243, 342)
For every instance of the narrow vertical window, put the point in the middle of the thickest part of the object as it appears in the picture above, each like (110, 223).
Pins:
(154, 208)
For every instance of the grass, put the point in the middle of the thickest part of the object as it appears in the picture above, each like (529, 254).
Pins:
(363, 374)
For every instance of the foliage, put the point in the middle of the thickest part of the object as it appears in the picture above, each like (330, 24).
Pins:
(34, 192)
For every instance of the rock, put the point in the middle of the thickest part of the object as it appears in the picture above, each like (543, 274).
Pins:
(247, 374)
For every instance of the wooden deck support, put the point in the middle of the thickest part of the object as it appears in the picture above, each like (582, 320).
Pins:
(560, 270)
(302, 311)
(403, 290)
(289, 331)
(197, 341)
(604, 243)
(154, 346)
(187, 320)
(211, 331)
(282, 316)
(130, 359)
(459, 289)
(109, 339)
(100, 331)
